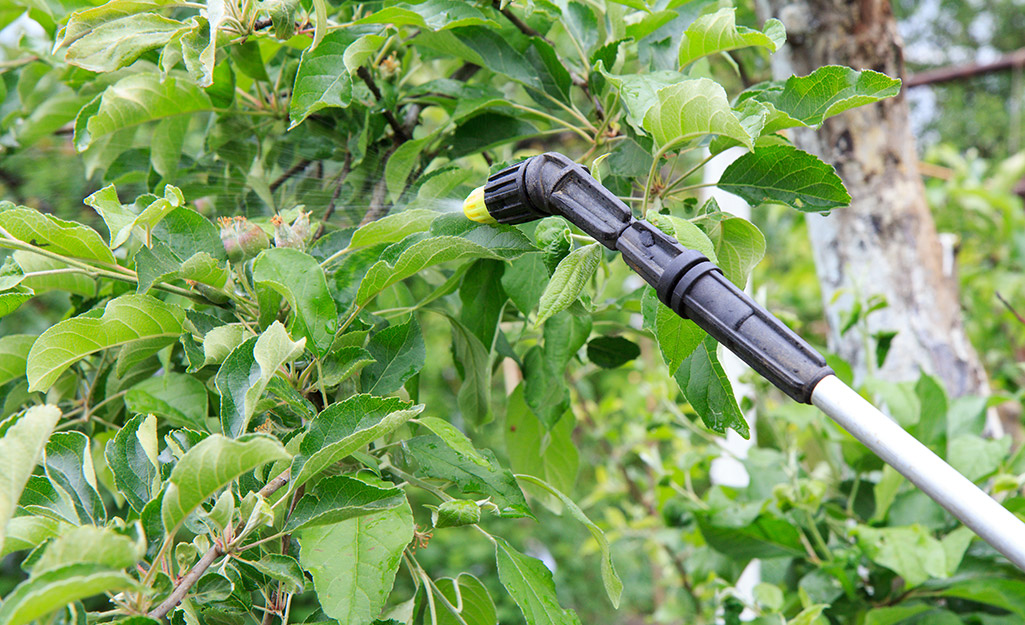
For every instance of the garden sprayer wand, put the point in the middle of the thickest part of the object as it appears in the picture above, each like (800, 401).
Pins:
(696, 289)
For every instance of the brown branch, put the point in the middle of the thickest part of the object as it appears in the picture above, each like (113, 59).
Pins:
(289, 173)
(522, 26)
(1014, 312)
(368, 80)
(969, 70)
(339, 179)
(378, 202)
(189, 580)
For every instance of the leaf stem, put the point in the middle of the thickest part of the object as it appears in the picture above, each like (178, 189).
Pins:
(555, 120)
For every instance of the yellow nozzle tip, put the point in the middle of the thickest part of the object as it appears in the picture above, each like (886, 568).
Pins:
(475, 209)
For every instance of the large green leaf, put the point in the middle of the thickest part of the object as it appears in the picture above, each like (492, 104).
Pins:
(14, 350)
(807, 101)
(453, 438)
(785, 175)
(470, 597)
(69, 466)
(708, 390)
(430, 15)
(354, 562)
(474, 396)
(117, 43)
(718, 32)
(739, 246)
(529, 582)
(246, 372)
(690, 110)
(66, 238)
(346, 427)
(39, 595)
(125, 320)
(132, 458)
(89, 544)
(28, 532)
(20, 449)
(393, 228)
(322, 79)
(399, 354)
(81, 23)
(339, 498)
(177, 397)
(613, 584)
(911, 551)
(1004, 593)
(209, 466)
(417, 252)
(298, 277)
(639, 91)
(555, 460)
(138, 99)
(570, 277)
(544, 372)
(438, 460)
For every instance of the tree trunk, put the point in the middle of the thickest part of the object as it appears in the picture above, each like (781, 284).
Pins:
(885, 243)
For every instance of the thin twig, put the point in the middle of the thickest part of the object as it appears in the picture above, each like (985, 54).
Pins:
(378, 202)
(211, 556)
(1014, 312)
(338, 181)
(522, 26)
(289, 173)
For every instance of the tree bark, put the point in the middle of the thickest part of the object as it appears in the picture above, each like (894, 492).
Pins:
(885, 243)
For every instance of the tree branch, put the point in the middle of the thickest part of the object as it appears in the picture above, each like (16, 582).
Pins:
(368, 80)
(378, 202)
(969, 70)
(289, 173)
(189, 580)
(522, 26)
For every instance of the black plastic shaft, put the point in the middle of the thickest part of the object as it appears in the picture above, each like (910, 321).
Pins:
(686, 281)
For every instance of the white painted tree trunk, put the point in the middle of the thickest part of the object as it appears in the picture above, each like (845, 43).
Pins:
(885, 243)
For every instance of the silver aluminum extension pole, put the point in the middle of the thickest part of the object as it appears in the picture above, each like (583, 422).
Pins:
(963, 499)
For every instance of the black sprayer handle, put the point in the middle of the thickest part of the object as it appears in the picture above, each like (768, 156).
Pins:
(691, 285)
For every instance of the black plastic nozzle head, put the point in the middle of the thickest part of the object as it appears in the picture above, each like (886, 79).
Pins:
(505, 196)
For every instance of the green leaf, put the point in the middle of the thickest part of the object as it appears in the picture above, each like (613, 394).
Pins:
(344, 428)
(11, 300)
(783, 174)
(132, 458)
(28, 532)
(524, 280)
(639, 92)
(739, 247)
(401, 163)
(66, 238)
(529, 583)
(322, 79)
(354, 562)
(209, 466)
(392, 228)
(470, 597)
(399, 354)
(474, 396)
(430, 15)
(718, 32)
(117, 43)
(20, 449)
(127, 319)
(976, 457)
(609, 352)
(547, 454)
(83, 22)
(910, 552)
(613, 585)
(453, 438)
(246, 372)
(29, 262)
(39, 595)
(807, 101)
(708, 390)
(89, 544)
(179, 398)
(895, 614)
(438, 460)
(341, 363)
(14, 350)
(298, 277)
(338, 498)
(362, 50)
(690, 110)
(118, 217)
(545, 369)
(282, 568)
(1001, 592)
(568, 281)
(139, 99)
(677, 337)
(418, 253)
(69, 466)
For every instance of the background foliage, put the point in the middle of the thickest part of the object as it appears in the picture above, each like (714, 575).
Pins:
(292, 383)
